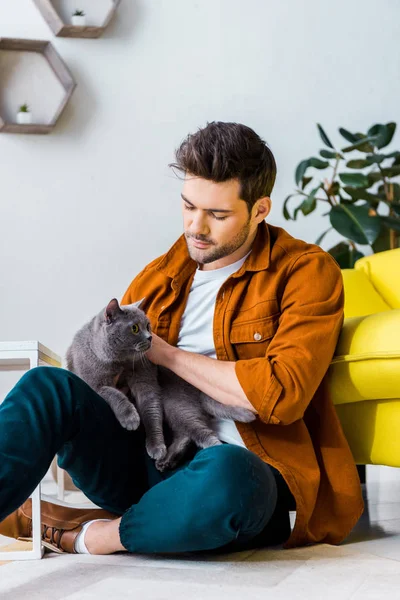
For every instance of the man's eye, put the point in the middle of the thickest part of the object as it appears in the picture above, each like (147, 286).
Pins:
(135, 329)
(188, 207)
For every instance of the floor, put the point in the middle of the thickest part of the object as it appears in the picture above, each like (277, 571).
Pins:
(366, 566)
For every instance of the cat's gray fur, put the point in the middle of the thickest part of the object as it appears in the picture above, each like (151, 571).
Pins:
(106, 350)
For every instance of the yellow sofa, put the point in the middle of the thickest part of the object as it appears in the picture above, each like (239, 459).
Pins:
(364, 376)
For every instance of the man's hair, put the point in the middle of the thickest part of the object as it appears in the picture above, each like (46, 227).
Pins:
(222, 151)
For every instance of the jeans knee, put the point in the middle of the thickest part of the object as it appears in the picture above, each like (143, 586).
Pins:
(48, 385)
(238, 484)
(37, 374)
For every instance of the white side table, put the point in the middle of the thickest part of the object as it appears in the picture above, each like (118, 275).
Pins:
(17, 356)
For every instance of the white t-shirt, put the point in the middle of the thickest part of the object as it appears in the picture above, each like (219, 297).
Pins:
(196, 330)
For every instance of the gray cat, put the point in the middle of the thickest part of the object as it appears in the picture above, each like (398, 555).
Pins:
(109, 354)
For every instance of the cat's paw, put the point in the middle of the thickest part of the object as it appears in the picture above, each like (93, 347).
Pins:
(166, 463)
(128, 416)
(156, 451)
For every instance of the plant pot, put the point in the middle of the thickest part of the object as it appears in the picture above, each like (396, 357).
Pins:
(24, 118)
(78, 21)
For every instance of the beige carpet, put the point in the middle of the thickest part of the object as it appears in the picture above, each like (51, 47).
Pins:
(314, 572)
(365, 567)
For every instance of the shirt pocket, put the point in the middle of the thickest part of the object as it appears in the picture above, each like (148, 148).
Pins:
(250, 339)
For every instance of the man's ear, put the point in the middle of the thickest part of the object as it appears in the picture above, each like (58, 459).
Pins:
(262, 208)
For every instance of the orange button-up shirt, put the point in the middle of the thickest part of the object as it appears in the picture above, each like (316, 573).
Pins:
(278, 317)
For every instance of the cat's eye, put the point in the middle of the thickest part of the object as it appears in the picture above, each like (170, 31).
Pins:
(148, 327)
(135, 329)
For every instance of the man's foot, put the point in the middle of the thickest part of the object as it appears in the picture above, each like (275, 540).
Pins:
(60, 524)
(102, 537)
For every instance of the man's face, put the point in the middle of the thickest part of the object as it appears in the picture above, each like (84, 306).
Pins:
(217, 223)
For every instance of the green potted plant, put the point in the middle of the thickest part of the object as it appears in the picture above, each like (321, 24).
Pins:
(24, 116)
(79, 18)
(363, 202)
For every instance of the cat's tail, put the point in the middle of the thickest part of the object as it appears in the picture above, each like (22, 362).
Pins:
(223, 411)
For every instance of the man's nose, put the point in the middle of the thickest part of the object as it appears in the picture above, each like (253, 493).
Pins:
(199, 225)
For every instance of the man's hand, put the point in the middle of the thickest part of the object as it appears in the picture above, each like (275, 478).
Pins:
(160, 351)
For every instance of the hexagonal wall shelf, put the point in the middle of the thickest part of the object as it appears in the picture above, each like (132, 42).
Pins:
(31, 72)
(56, 13)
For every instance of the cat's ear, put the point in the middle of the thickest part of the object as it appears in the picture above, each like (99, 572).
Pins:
(112, 310)
(137, 304)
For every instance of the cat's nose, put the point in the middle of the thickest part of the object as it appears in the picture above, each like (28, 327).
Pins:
(149, 337)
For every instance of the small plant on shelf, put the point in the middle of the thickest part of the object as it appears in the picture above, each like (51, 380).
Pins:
(24, 116)
(79, 18)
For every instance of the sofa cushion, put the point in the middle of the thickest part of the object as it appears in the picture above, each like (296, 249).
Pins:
(360, 296)
(366, 365)
(383, 270)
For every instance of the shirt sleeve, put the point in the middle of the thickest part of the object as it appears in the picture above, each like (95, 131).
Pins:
(281, 385)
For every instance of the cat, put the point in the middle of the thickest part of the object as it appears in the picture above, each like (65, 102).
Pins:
(110, 350)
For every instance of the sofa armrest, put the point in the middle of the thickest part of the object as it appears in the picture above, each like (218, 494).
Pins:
(366, 365)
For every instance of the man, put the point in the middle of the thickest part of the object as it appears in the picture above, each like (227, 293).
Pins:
(250, 316)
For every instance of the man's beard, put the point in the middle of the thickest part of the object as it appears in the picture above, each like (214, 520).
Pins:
(209, 255)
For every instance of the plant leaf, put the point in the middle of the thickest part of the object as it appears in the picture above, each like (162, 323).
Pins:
(363, 194)
(357, 164)
(350, 137)
(391, 223)
(329, 154)
(296, 212)
(394, 154)
(355, 179)
(383, 133)
(310, 203)
(318, 163)
(362, 145)
(372, 159)
(382, 242)
(374, 177)
(321, 237)
(391, 171)
(396, 209)
(310, 162)
(344, 255)
(354, 223)
(324, 137)
(305, 182)
(286, 213)
(301, 169)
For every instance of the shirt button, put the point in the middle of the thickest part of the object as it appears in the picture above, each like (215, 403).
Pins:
(257, 336)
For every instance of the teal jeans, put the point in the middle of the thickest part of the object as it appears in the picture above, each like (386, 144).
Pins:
(222, 499)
